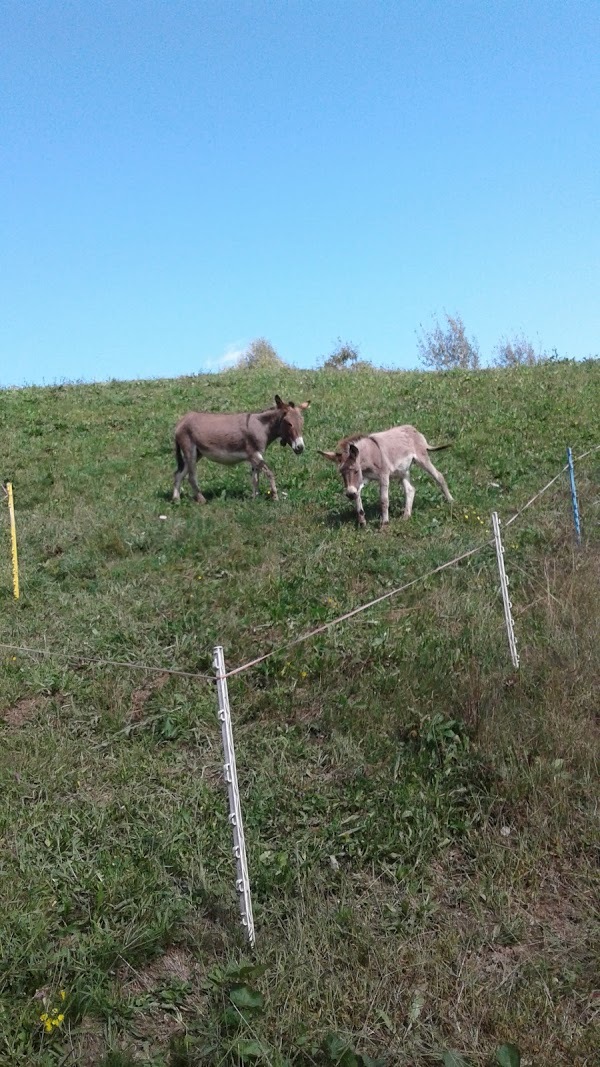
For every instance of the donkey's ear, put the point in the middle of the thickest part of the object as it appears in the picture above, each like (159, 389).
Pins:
(304, 405)
(353, 450)
(328, 455)
(278, 401)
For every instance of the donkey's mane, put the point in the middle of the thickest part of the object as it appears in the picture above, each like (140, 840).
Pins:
(350, 440)
(266, 415)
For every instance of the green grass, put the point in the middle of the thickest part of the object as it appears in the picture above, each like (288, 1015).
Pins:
(419, 819)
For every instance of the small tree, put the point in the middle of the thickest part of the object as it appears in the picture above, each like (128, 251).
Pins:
(345, 356)
(260, 355)
(517, 353)
(446, 349)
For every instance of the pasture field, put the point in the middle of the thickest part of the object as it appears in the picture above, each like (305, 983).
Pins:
(420, 819)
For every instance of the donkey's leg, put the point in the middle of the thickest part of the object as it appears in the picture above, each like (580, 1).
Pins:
(409, 494)
(191, 467)
(384, 498)
(427, 465)
(260, 467)
(360, 511)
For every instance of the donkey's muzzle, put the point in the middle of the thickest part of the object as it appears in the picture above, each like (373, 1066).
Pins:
(298, 446)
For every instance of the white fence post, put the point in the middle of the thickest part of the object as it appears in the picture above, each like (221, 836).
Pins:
(574, 500)
(242, 883)
(504, 587)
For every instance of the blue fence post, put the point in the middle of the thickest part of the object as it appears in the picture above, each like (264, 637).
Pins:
(574, 496)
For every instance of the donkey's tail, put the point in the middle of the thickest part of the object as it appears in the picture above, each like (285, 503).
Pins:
(179, 457)
(438, 448)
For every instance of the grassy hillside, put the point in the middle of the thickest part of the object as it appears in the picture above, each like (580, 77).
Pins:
(419, 818)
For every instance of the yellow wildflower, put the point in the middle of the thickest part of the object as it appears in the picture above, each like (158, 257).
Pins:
(55, 1018)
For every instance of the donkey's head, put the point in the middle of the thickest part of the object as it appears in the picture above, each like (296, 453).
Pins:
(348, 464)
(292, 422)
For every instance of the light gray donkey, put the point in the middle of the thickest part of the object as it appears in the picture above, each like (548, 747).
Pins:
(236, 438)
(377, 457)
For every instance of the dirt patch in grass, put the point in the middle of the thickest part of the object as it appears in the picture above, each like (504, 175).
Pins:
(212, 774)
(165, 994)
(88, 1042)
(23, 711)
(176, 965)
(307, 714)
(140, 697)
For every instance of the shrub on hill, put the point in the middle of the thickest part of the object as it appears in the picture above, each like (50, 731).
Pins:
(260, 355)
(519, 353)
(450, 348)
(345, 356)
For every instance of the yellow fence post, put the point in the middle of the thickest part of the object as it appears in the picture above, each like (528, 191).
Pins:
(13, 539)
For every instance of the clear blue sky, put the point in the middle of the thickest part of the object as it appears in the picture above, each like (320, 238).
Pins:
(178, 178)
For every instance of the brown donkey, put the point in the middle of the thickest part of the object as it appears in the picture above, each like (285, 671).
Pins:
(234, 439)
(377, 457)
